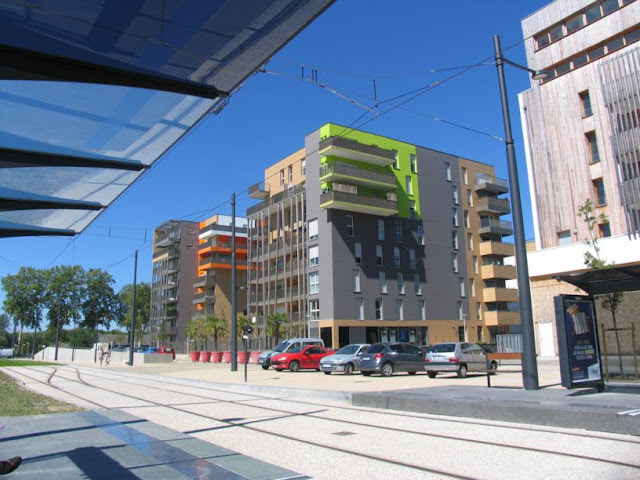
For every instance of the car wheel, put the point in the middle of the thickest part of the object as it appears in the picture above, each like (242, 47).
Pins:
(432, 374)
(348, 369)
(386, 370)
(411, 373)
(366, 374)
(493, 368)
(294, 366)
(265, 367)
(327, 373)
(462, 371)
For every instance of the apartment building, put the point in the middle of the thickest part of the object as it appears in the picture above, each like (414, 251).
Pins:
(363, 238)
(173, 268)
(582, 141)
(212, 295)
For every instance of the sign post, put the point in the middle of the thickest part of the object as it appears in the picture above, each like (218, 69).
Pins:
(578, 344)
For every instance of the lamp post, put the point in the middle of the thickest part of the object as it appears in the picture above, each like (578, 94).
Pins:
(529, 362)
(234, 310)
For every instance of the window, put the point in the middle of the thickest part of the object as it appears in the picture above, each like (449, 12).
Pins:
(281, 178)
(605, 229)
(592, 14)
(412, 209)
(350, 229)
(417, 284)
(399, 309)
(466, 219)
(360, 308)
(585, 101)
(609, 6)
(556, 33)
(472, 287)
(479, 315)
(454, 216)
(460, 311)
(414, 164)
(422, 311)
(465, 178)
(469, 198)
(592, 141)
(475, 264)
(379, 259)
(303, 167)
(382, 277)
(396, 160)
(574, 23)
(454, 240)
(314, 309)
(420, 235)
(313, 256)
(463, 292)
(470, 240)
(396, 257)
(314, 282)
(400, 280)
(454, 262)
(379, 309)
(564, 237)
(454, 194)
(601, 198)
(380, 229)
(358, 253)
(398, 232)
(447, 171)
(407, 181)
(313, 229)
(355, 280)
(412, 259)
(290, 173)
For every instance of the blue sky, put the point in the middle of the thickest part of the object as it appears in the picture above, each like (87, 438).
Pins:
(399, 43)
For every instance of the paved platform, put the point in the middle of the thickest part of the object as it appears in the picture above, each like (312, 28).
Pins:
(113, 445)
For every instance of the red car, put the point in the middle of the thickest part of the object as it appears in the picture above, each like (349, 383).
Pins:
(169, 350)
(305, 357)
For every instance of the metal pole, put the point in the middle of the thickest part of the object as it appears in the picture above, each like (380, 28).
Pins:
(33, 347)
(529, 361)
(246, 359)
(234, 313)
(73, 341)
(57, 333)
(133, 311)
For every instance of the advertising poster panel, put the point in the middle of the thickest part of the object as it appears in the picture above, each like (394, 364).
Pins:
(578, 341)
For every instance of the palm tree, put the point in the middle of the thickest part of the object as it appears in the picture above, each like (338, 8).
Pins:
(218, 327)
(276, 325)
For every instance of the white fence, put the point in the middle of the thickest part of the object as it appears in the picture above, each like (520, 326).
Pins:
(88, 355)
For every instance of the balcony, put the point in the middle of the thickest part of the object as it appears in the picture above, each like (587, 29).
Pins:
(497, 294)
(497, 249)
(171, 314)
(497, 318)
(489, 184)
(353, 150)
(172, 238)
(506, 272)
(493, 205)
(353, 202)
(340, 172)
(221, 261)
(204, 281)
(259, 190)
(203, 298)
(495, 227)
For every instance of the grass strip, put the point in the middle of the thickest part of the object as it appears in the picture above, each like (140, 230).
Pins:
(16, 400)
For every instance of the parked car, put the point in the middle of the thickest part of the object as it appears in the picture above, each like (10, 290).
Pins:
(300, 358)
(264, 359)
(389, 358)
(150, 350)
(168, 350)
(346, 360)
(458, 357)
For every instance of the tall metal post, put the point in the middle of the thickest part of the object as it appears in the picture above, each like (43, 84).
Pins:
(33, 346)
(57, 333)
(529, 362)
(234, 313)
(133, 311)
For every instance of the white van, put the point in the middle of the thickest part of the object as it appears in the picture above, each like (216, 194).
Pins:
(265, 357)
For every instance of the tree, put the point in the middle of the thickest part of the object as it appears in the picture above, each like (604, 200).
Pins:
(24, 297)
(5, 337)
(609, 301)
(198, 330)
(218, 328)
(242, 323)
(276, 325)
(100, 304)
(65, 294)
(143, 307)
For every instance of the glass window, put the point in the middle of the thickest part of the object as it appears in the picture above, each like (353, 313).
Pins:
(454, 216)
(563, 68)
(420, 235)
(632, 36)
(564, 237)
(454, 194)
(379, 259)
(412, 209)
(379, 309)
(408, 184)
(585, 101)
(303, 167)
(614, 44)
(355, 280)
(463, 292)
(579, 60)
(472, 287)
(380, 229)
(465, 178)
(360, 308)
(314, 309)
(400, 279)
(479, 315)
(556, 33)
(592, 14)
(574, 23)
(447, 171)
(470, 198)
(605, 230)
(396, 257)
(417, 284)
(358, 253)
(454, 262)
(609, 6)
(422, 311)
(313, 256)
(396, 160)
(398, 231)
(596, 53)
(290, 173)
(454, 240)
(399, 309)
(414, 164)
(542, 40)
(281, 178)
(382, 277)
(475, 264)
(350, 230)
(470, 240)
(314, 282)
(593, 146)
(412, 259)
(313, 229)
(466, 219)
(601, 197)
(460, 312)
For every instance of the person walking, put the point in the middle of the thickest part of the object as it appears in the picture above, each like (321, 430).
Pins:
(101, 355)
(107, 355)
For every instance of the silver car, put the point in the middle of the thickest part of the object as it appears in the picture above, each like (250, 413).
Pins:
(458, 357)
(346, 360)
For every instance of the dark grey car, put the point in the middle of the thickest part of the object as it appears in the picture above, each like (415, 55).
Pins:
(389, 358)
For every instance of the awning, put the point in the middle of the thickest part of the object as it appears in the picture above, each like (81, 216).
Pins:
(93, 92)
(607, 280)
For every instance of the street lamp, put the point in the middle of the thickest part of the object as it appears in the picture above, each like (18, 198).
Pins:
(529, 362)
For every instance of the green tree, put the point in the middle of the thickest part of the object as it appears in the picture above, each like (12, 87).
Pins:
(24, 297)
(198, 330)
(143, 307)
(276, 325)
(65, 294)
(100, 305)
(242, 323)
(609, 301)
(5, 335)
(218, 327)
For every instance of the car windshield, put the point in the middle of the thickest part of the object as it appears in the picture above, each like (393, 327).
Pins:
(348, 350)
(281, 347)
(443, 348)
(377, 348)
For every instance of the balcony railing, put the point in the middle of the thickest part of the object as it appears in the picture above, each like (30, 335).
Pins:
(340, 172)
(498, 294)
(214, 227)
(488, 183)
(497, 249)
(167, 240)
(359, 203)
(221, 259)
(204, 281)
(493, 205)
(259, 190)
(353, 150)
(491, 225)
(278, 197)
(203, 298)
